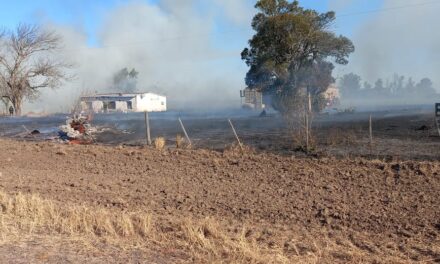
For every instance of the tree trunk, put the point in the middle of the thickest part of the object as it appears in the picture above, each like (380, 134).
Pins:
(17, 103)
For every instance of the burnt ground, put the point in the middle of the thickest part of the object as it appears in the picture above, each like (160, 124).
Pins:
(408, 134)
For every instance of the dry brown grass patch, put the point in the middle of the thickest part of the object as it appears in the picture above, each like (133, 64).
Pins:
(337, 136)
(199, 241)
(159, 143)
(179, 141)
(204, 240)
(31, 213)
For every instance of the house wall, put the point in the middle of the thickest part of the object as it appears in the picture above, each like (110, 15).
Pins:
(97, 106)
(121, 106)
(140, 103)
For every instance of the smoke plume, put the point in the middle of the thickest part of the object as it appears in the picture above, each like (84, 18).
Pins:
(170, 44)
(399, 39)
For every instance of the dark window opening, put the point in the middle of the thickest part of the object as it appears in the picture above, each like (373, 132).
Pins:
(129, 105)
(112, 105)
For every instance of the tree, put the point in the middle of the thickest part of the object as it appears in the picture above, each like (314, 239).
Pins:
(125, 81)
(289, 42)
(378, 86)
(425, 88)
(350, 85)
(27, 64)
(409, 87)
(367, 86)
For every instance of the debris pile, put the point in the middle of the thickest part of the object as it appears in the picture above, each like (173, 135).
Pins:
(77, 130)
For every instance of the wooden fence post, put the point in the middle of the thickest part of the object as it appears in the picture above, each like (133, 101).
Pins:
(371, 134)
(147, 127)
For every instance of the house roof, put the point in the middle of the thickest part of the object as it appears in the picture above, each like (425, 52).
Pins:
(112, 97)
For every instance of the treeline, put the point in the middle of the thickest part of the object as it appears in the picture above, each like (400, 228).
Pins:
(397, 88)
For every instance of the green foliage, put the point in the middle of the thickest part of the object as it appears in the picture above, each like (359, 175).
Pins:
(290, 50)
(350, 84)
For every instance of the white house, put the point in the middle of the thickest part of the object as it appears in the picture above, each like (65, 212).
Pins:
(119, 102)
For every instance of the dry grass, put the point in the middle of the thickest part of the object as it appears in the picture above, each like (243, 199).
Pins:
(337, 136)
(199, 241)
(159, 143)
(179, 141)
(31, 214)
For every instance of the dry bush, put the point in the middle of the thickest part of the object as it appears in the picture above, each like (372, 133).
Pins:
(159, 143)
(235, 148)
(179, 141)
(336, 136)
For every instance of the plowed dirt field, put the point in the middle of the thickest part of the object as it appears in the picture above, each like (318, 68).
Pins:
(336, 210)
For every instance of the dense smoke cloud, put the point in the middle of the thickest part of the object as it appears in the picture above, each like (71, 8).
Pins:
(175, 47)
(398, 40)
(169, 44)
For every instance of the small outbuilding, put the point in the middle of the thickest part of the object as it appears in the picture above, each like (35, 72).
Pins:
(120, 102)
(252, 99)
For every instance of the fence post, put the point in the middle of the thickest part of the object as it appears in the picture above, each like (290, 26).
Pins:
(437, 117)
(235, 133)
(307, 131)
(147, 127)
(438, 126)
(308, 111)
(184, 131)
(371, 134)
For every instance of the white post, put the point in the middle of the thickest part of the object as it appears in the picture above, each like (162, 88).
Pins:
(235, 133)
(184, 131)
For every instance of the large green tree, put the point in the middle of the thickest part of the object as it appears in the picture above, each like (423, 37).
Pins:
(292, 50)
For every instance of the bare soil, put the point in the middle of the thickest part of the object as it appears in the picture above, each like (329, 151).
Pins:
(385, 209)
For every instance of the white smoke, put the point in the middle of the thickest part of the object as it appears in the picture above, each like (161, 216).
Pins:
(399, 39)
(171, 46)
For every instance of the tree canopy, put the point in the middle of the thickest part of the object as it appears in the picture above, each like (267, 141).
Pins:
(292, 48)
(396, 89)
(27, 63)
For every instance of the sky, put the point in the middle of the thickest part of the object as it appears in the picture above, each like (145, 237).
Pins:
(191, 48)
(88, 15)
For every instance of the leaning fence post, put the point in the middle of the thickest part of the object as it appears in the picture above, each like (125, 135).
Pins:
(371, 135)
(147, 127)
(184, 131)
(307, 131)
(437, 117)
(235, 134)
(438, 127)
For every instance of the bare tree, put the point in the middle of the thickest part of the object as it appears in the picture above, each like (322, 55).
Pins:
(28, 64)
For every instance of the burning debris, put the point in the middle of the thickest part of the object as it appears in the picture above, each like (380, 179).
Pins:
(77, 130)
